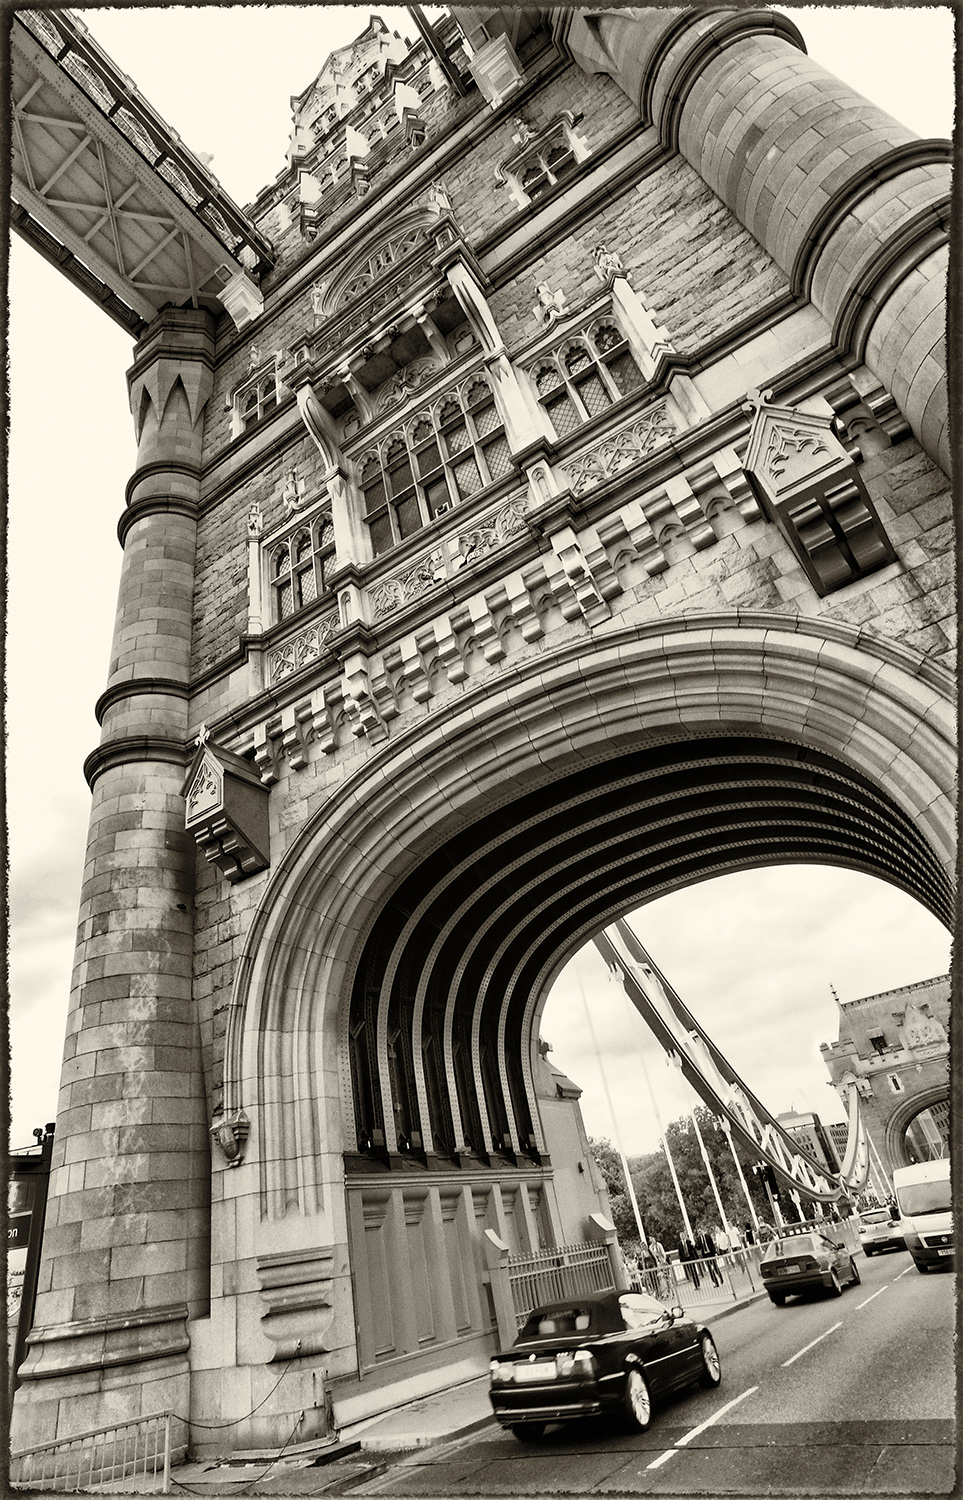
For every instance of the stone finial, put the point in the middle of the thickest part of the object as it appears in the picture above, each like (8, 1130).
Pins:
(607, 263)
(523, 132)
(292, 494)
(438, 198)
(317, 298)
(550, 305)
(255, 521)
(254, 356)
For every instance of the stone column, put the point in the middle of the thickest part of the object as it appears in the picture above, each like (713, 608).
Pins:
(850, 204)
(126, 1250)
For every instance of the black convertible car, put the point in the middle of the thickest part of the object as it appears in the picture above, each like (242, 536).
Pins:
(603, 1352)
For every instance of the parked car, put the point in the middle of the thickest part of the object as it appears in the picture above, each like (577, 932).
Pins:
(603, 1352)
(799, 1262)
(923, 1195)
(880, 1229)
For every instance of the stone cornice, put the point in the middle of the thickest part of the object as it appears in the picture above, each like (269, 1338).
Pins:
(154, 505)
(124, 1339)
(928, 232)
(134, 688)
(728, 27)
(131, 749)
(161, 466)
(882, 169)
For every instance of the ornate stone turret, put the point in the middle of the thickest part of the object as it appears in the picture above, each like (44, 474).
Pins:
(849, 203)
(126, 1251)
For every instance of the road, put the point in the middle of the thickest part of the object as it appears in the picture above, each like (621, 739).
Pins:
(838, 1396)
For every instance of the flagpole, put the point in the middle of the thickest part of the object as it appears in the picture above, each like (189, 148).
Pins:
(643, 1237)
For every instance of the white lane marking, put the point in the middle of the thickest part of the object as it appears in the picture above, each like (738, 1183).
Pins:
(664, 1457)
(869, 1299)
(909, 1268)
(805, 1350)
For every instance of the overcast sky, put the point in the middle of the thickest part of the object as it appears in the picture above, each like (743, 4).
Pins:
(753, 954)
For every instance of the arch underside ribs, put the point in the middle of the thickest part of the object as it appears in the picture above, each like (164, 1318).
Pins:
(454, 968)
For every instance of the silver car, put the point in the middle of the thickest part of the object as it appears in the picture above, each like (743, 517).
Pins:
(880, 1229)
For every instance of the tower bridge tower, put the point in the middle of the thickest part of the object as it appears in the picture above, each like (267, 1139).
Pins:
(541, 503)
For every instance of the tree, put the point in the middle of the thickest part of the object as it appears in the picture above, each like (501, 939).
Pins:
(607, 1160)
(656, 1194)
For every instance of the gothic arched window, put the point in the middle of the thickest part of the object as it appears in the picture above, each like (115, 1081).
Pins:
(446, 453)
(580, 379)
(300, 565)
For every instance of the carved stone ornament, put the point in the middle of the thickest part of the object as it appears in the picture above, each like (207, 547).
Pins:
(227, 811)
(550, 305)
(229, 1134)
(607, 262)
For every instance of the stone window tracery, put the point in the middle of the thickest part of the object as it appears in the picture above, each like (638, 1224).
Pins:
(445, 453)
(581, 377)
(544, 159)
(255, 400)
(300, 565)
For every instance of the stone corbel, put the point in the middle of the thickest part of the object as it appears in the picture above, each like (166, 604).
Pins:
(474, 304)
(242, 299)
(496, 69)
(360, 706)
(227, 811)
(320, 425)
(229, 1133)
(426, 323)
(589, 598)
(521, 412)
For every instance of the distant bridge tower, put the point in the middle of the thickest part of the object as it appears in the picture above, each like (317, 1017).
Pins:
(541, 504)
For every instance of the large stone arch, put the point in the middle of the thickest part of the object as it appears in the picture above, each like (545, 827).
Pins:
(880, 713)
(903, 1116)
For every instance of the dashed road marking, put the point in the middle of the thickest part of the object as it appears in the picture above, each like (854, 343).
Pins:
(694, 1432)
(869, 1299)
(904, 1273)
(800, 1352)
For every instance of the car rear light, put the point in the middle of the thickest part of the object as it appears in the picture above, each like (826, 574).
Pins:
(502, 1371)
(580, 1364)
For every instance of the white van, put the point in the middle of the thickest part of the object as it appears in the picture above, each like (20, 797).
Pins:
(923, 1194)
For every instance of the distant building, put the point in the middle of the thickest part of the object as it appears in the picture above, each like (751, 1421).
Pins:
(813, 1136)
(896, 1047)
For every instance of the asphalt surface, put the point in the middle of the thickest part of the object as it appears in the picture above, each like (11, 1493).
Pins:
(838, 1396)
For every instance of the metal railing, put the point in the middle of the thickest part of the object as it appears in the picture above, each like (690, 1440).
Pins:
(695, 1283)
(551, 1275)
(139, 1450)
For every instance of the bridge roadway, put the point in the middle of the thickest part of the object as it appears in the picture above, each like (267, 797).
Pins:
(835, 1396)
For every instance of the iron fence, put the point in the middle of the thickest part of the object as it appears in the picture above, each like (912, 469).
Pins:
(551, 1275)
(137, 1451)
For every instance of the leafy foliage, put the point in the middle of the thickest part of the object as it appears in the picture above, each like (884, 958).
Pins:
(656, 1195)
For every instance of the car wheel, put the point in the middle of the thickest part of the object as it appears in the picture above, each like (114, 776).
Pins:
(868, 1252)
(835, 1286)
(711, 1368)
(638, 1401)
(778, 1299)
(855, 1270)
(528, 1432)
(922, 1267)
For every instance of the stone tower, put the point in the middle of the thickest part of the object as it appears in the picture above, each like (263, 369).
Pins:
(541, 503)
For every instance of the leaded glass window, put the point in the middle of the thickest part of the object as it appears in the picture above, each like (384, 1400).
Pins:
(581, 378)
(300, 566)
(447, 452)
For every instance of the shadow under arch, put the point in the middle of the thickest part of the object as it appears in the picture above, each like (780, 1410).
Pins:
(426, 907)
